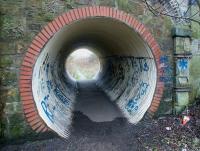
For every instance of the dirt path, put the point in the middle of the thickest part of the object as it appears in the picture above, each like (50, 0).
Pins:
(164, 134)
(94, 103)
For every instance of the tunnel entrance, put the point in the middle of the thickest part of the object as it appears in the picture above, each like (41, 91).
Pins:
(128, 80)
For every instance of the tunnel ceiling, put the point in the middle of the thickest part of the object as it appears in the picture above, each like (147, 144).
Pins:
(129, 74)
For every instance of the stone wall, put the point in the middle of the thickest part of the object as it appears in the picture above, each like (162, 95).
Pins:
(21, 20)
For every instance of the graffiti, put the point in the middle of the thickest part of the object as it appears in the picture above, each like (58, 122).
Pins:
(183, 64)
(60, 96)
(142, 90)
(49, 85)
(45, 60)
(43, 86)
(144, 86)
(166, 79)
(164, 59)
(132, 105)
(143, 65)
(40, 72)
(44, 66)
(47, 69)
(46, 110)
(122, 74)
(146, 67)
(166, 70)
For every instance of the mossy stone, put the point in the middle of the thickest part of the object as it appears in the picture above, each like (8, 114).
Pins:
(7, 48)
(8, 78)
(6, 61)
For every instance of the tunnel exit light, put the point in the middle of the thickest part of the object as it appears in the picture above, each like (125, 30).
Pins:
(82, 64)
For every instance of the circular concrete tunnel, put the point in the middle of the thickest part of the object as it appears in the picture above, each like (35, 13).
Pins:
(127, 84)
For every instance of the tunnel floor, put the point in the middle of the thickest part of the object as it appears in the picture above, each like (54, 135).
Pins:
(94, 103)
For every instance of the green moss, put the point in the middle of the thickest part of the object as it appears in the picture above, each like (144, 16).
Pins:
(8, 78)
(11, 1)
(7, 48)
(2, 129)
(194, 67)
(13, 10)
(110, 3)
(16, 131)
(14, 126)
(179, 109)
(48, 17)
(12, 27)
(195, 26)
(122, 4)
(2, 124)
(6, 61)
(165, 107)
(28, 37)
(195, 30)
(168, 23)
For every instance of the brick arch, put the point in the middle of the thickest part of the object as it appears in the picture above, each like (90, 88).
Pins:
(25, 82)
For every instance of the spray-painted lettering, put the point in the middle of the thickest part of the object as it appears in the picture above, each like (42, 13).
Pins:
(132, 105)
(46, 110)
(49, 85)
(143, 65)
(61, 96)
(166, 70)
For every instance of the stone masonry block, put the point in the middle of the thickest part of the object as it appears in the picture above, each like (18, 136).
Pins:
(182, 98)
(181, 32)
(182, 45)
(182, 81)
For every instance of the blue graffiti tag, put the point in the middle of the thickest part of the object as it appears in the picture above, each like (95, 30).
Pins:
(143, 65)
(146, 67)
(61, 96)
(164, 59)
(166, 79)
(166, 70)
(47, 69)
(183, 64)
(132, 105)
(46, 110)
(49, 85)
(142, 90)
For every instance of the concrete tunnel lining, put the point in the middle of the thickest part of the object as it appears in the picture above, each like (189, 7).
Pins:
(129, 73)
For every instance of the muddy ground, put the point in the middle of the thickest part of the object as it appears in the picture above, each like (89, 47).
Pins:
(163, 134)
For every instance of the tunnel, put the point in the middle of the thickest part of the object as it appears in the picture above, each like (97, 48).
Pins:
(127, 84)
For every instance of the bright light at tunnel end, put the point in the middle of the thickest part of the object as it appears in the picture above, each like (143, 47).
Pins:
(82, 64)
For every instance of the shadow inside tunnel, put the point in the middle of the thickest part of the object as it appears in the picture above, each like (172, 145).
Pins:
(93, 102)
